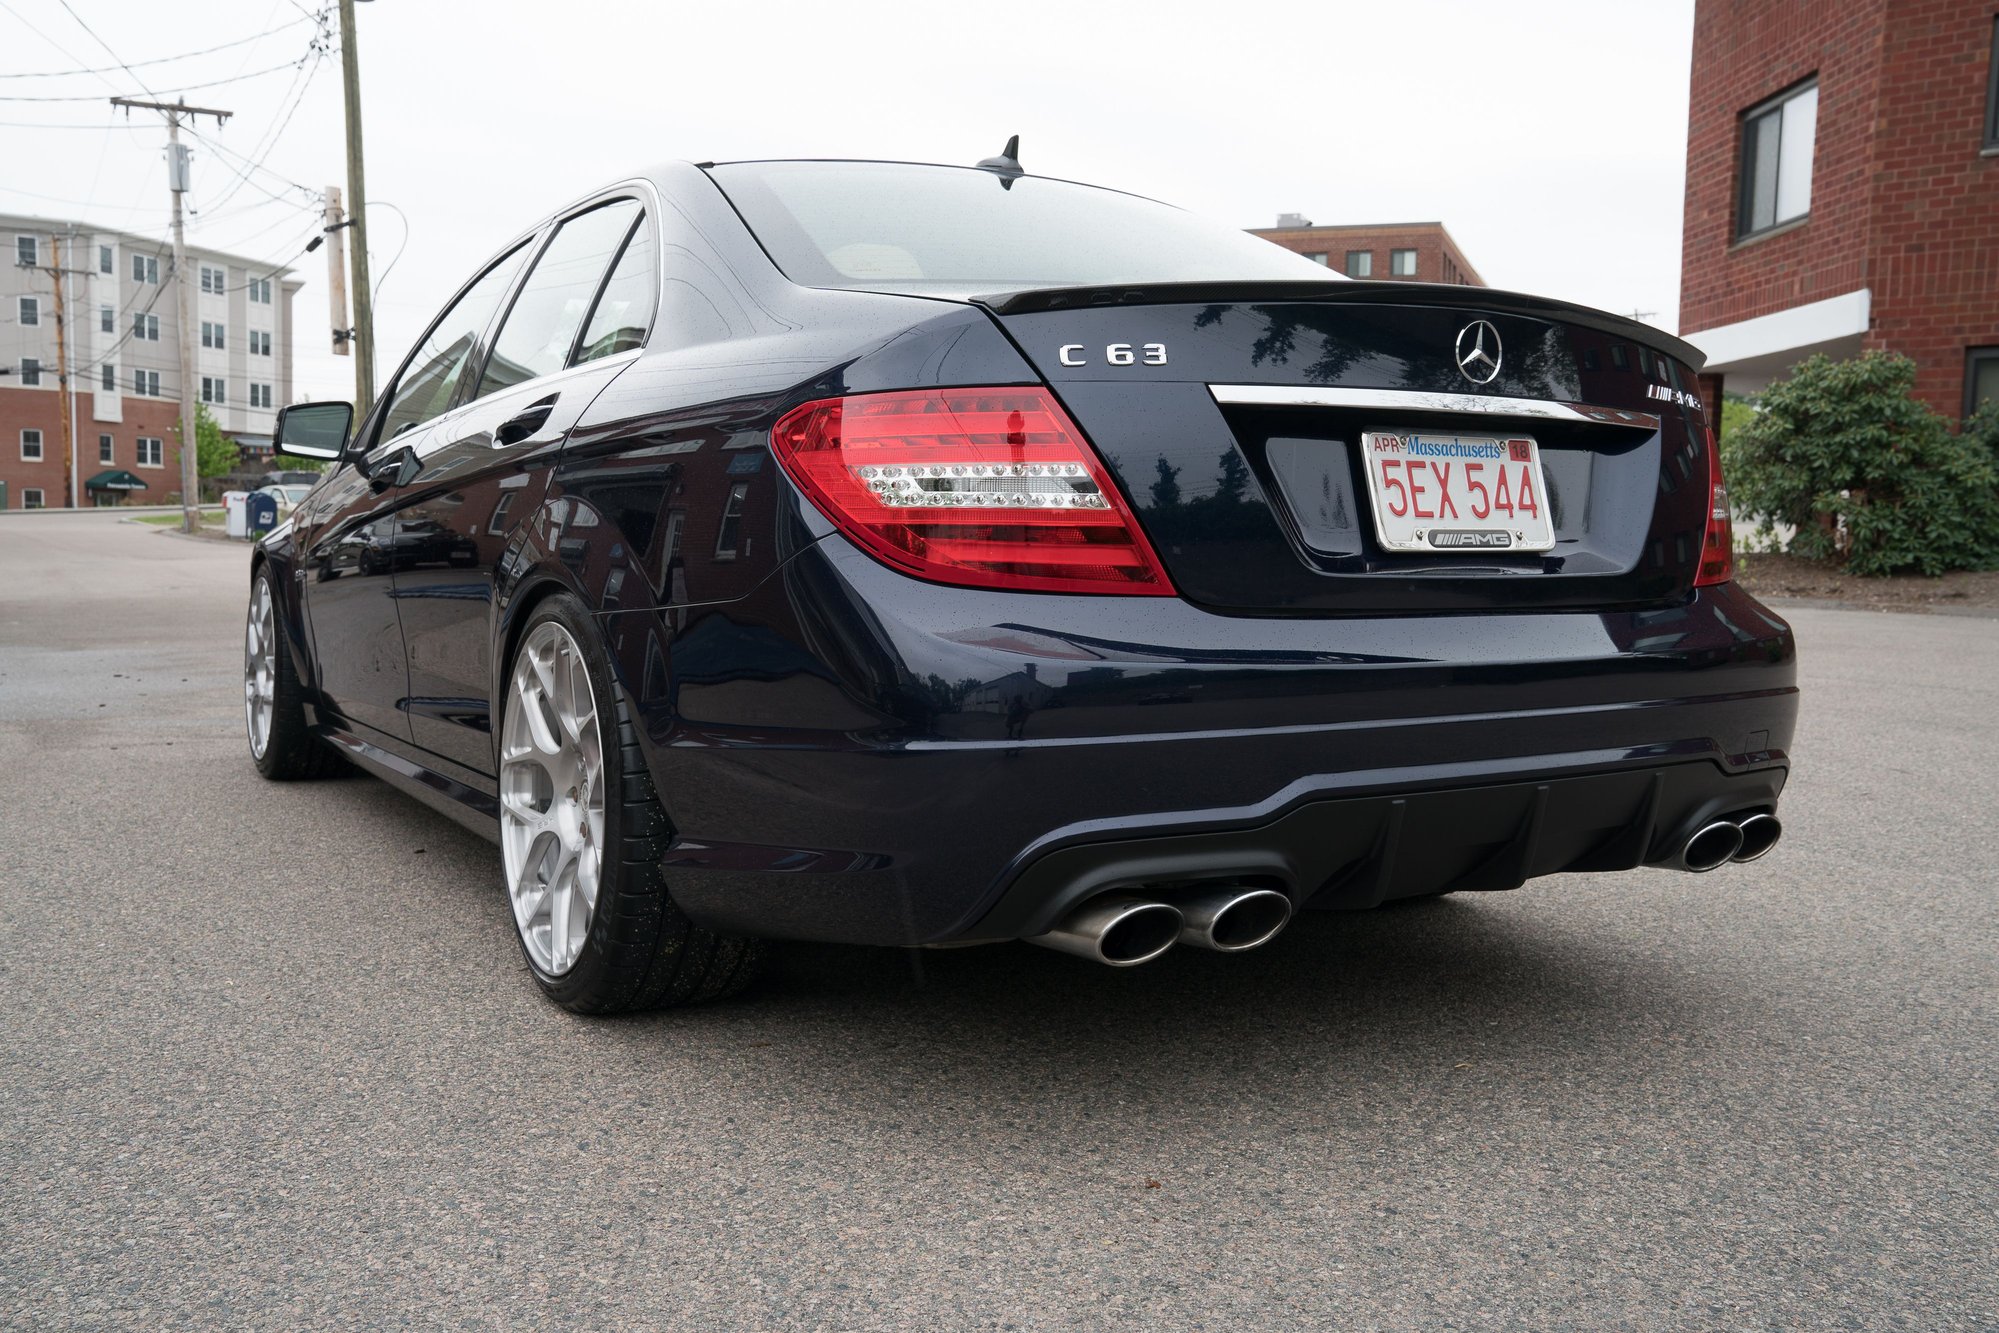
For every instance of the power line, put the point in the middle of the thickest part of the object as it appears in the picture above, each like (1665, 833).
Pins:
(157, 60)
(179, 88)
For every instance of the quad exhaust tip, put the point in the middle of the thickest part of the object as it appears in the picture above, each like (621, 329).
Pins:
(1759, 834)
(1737, 838)
(1233, 919)
(1713, 845)
(1117, 930)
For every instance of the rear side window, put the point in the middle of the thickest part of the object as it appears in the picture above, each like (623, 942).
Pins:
(892, 226)
(430, 379)
(540, 330)
(623, 312)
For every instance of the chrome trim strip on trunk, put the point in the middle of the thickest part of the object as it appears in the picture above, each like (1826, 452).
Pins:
(1418, 400)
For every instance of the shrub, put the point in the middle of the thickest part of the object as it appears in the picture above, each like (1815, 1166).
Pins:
(1857, 468)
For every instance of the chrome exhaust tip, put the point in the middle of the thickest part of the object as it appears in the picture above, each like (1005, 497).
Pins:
(1233, 919)
(1711, 846)
(1116, 930)
(1759, 834)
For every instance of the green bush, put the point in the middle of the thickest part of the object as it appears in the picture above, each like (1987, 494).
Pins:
(1862, 471)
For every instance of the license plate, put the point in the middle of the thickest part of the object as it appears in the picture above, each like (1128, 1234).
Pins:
(1437, 492)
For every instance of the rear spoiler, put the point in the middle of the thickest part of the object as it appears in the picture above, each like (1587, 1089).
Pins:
(1344, 293)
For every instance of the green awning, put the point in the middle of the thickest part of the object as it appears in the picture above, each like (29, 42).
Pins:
(117, 479)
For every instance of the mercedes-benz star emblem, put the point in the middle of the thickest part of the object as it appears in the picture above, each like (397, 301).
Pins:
(1479, 351)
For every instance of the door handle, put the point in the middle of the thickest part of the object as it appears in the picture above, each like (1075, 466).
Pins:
(519, 427)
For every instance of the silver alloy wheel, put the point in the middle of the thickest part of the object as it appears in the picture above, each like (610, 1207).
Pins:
(552, 797)
(260, 668)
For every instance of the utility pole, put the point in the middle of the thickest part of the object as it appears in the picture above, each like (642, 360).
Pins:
(332, 225)
(357, 192)
(57, 272)
(177, 182)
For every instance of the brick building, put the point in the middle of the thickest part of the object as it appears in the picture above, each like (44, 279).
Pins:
(1403, 251)
(1843, 190)
(120, 321)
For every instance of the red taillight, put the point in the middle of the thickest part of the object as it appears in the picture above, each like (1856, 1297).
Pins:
(1718, 542)
(991, 488)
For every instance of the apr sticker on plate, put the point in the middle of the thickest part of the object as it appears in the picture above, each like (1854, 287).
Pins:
(1438, 492)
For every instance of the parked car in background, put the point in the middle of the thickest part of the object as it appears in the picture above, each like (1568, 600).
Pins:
(287, 496)
(921, 555)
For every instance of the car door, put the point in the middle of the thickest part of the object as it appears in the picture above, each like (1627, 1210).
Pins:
(567, 333)
(358, 530)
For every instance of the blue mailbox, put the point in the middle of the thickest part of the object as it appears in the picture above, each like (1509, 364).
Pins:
(260, 512)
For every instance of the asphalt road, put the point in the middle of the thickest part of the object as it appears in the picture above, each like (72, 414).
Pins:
(272, 1060)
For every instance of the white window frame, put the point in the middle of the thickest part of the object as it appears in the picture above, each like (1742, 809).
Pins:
(260, 342)
(214, 281)
(145, 383)
(108, 377)
(107, 319)
(33, 497)
(215, 390)
(1364, 269)
(260, 291)
(105, 263)
(145, 327)
(31, 372)
(153, 445)
(34, 250)
(260, 395)
(107, 449)
(40, 449)
(1395, 260)
(30, 312)
(214, 335)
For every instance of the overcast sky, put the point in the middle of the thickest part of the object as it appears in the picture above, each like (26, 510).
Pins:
(1549, 137)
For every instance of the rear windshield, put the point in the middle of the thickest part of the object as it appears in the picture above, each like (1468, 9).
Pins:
(893, 226)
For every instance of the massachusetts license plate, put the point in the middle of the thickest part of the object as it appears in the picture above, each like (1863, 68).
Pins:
(1435, 492)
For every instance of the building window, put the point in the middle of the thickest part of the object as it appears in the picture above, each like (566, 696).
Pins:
(27, 251)
(149, 452)
(146, 268)
(146, 383)
(1777, 138)
(1402, 263)
(104, 259)
(260, 343)
(211, 335)
(31, 498)
(212, 389)
(1992, 92)
(214, 280)
(1317, 256)
(107, 319)
(146, 327)
(31, 371)
(108, 377)
(31, 310)
(730, 532)
(260, 395)
(31, 446)
(107, 449)
(1360, 263)
(1981, 379)
(260, 291)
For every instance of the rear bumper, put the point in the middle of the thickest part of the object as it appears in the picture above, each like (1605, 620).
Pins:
(851, 755)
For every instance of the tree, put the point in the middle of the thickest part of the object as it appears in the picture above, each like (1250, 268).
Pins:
(214, 452)
(1166, 491)
(1858, 469)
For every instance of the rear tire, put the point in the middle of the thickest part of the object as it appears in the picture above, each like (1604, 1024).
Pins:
(566, 737)
(273, 696)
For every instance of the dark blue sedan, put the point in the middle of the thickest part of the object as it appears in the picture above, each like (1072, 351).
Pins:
(924, 555)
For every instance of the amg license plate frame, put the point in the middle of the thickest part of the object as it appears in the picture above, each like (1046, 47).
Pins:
(1453, 493)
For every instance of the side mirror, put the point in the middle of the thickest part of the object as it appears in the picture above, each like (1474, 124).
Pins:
(313, 430)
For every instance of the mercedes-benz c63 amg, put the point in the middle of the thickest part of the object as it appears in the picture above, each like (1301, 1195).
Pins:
(925, 555)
